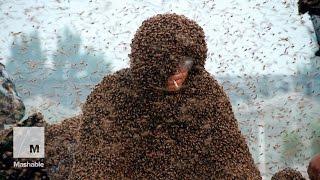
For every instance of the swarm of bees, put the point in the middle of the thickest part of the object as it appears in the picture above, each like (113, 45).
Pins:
(287, 173)
(133, 128)
(61, 140)
(146, 85)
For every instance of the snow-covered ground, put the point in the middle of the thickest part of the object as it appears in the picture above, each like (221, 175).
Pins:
(245, 38)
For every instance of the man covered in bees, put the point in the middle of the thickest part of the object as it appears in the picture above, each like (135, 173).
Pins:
(165, 117)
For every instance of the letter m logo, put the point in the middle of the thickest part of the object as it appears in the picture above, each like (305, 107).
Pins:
(34, 149)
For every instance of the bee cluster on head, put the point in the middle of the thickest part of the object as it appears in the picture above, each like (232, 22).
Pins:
(162, 44)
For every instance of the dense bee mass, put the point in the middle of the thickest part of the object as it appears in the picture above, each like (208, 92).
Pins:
(288, 174)
(60, 142)
(133, 128)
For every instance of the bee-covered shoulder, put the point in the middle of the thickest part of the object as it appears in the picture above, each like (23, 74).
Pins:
(208, 87)
(109, 83)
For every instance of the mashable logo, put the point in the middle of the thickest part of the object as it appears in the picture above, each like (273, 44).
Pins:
(28, 142)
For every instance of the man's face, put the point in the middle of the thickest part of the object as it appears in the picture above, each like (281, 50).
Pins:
(175, 81)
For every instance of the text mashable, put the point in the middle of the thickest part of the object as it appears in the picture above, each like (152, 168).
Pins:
(28, 164)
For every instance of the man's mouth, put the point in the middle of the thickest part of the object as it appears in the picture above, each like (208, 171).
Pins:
(176, 81)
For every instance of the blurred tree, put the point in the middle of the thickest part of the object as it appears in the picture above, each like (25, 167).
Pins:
(75, 71)
(26, 63)
(67, 55)
(264, 86)
(308, 79)
(315, 137)
(314, 70)
(291, 148)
